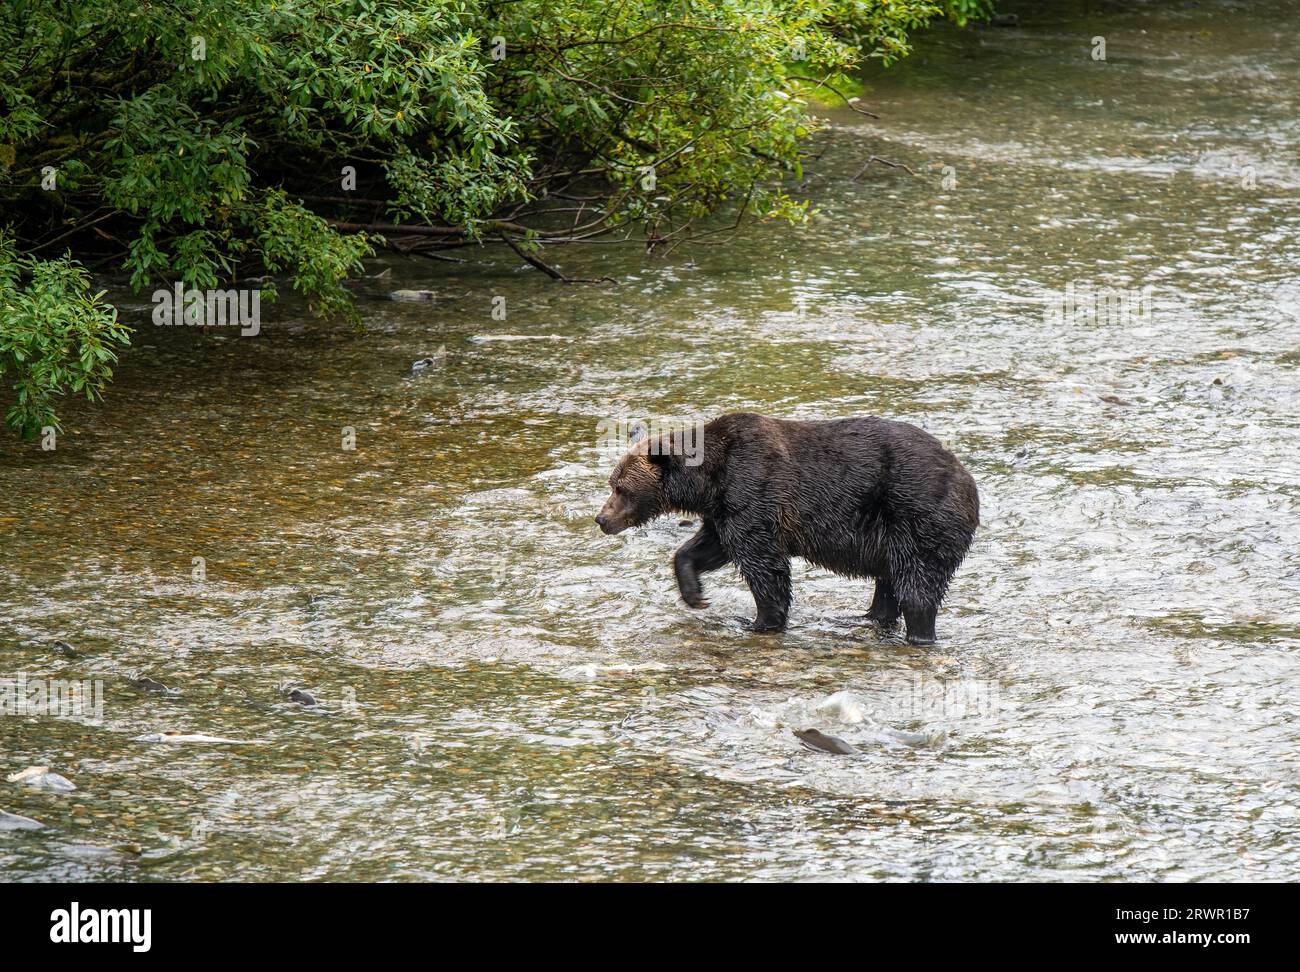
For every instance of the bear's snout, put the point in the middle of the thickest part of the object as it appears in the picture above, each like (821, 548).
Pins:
(613, 516)
(610, 524)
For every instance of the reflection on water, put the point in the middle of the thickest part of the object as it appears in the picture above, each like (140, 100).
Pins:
(503, 692)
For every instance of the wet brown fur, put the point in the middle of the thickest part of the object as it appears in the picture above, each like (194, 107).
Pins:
(862, 497)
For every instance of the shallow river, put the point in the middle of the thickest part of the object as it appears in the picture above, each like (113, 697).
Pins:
(505, 693)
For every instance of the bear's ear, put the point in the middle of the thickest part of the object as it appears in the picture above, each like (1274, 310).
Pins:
(663, 458)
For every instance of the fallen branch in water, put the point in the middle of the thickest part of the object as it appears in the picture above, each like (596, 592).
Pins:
(851, 102)
(876, 158)
(410, 229)
(417, 251)
(549, 270)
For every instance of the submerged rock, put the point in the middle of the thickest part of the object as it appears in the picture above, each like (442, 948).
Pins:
(172, 736)
(821, 743)
(41, 778)
(16, 821)
(147, 684)
(412, 295)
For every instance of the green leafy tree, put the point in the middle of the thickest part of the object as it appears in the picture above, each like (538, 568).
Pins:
(201, 141)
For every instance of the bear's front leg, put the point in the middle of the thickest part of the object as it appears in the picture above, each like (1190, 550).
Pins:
(768, 578)
(701, 553)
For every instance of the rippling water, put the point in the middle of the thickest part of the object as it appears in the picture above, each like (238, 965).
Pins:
(506, 693)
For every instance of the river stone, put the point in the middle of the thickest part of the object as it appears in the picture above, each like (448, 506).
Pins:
(41, 778)
(16, 821)
(172, 736)
(147, 684)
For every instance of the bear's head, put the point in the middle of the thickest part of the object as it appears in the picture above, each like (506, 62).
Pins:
(636, 490)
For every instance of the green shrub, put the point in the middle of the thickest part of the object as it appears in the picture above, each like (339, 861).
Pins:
(55, 335)
(201, 140)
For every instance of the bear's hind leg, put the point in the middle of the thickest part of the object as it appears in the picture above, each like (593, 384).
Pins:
(884, 609)
(769, 581)
(702, 552)
(921, 559)
(920, 623)
(920, 589)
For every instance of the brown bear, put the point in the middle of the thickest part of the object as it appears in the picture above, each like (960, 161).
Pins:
(863, 497)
